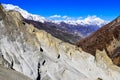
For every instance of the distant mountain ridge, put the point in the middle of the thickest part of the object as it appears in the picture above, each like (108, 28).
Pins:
(90, 20)
(106, 38)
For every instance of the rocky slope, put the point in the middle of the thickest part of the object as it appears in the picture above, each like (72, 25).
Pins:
(40, 56)
(8, 74)
(107, 38)
(56, 31)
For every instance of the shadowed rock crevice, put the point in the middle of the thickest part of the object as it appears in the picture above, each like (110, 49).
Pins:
(58, 56)
(11, 66)
(99, 79)
(116, 56)
(43, 62)
(39, 76)
(41, 49)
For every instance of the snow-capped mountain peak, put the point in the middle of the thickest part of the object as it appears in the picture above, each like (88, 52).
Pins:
(90, 20)
(57, 19)
(24, 13)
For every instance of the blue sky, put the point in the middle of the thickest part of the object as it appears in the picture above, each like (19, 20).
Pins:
(105, 9)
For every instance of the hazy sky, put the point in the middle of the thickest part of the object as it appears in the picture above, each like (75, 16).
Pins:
(105, 9)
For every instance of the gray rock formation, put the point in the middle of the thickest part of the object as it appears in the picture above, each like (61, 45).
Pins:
(7, 74)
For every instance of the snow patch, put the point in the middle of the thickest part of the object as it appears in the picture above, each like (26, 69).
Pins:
(24, 13)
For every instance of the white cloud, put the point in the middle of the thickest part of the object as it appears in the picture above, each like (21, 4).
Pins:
(64, 16)
(89, 20)
(59, 17)
(67, 17)
(55, 16)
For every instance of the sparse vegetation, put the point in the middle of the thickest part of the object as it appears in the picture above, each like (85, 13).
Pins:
(101, 39)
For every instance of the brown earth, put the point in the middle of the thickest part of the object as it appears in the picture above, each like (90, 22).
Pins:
(106, 38)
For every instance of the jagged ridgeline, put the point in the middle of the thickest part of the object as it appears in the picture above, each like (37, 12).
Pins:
(1, 12)
(28, 52)
(106, 38)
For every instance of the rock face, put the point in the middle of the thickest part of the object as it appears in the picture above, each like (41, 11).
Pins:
(40, 56)
(7, 74)
(56, 31)
(107, 38)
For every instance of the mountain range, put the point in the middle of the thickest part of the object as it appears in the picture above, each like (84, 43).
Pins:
(79, 27)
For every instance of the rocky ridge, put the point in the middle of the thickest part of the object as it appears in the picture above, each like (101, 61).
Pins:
(106, 38)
